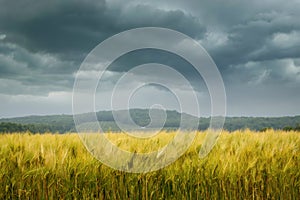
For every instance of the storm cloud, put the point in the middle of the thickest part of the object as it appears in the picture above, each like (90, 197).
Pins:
(255, 45)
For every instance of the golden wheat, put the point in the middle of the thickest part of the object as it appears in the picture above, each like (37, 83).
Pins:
(242, 165)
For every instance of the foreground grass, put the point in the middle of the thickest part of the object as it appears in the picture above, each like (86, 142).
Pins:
(243, 165)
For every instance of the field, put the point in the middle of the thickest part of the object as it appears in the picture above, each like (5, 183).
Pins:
(242, 165)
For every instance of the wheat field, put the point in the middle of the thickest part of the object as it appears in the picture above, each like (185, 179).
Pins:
(242, 165)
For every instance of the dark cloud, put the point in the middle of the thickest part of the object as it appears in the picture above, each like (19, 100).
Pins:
(54, 26)
(75, 27)
(46, 41)
(254, 41)
(255, 44)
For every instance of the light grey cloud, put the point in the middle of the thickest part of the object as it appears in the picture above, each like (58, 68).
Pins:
(2, 36)
(284, 72)
(22, 105)
(24, 72)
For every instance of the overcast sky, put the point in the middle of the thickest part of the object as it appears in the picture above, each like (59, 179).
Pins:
(255, 45)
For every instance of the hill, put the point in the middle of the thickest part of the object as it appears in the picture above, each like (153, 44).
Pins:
(65, 123)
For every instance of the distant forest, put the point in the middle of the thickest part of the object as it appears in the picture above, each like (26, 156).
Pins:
(65, 123)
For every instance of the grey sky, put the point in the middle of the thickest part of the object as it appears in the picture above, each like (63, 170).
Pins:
(255, 44)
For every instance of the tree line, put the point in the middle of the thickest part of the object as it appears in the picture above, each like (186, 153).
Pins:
(9, 127)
